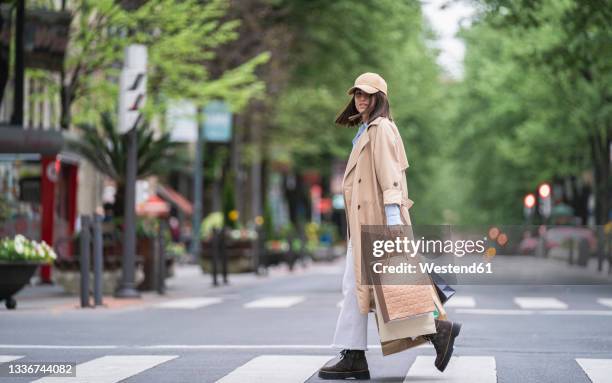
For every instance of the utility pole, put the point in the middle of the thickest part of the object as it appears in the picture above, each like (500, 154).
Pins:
(198, 183)
(17, 117)
(132, 84)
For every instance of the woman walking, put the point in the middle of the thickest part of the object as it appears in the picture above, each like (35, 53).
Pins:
(375, 193)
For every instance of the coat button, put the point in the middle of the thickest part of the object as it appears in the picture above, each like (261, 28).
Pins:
(359, 180)
(395, 184)
(358, 207)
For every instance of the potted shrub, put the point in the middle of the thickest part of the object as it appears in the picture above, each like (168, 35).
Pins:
(19, 259)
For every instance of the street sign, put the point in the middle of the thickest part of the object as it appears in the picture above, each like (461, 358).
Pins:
(217, 122)
(132, 87)
(181, 119)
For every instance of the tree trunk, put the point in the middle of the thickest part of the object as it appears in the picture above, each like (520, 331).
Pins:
(119, 206)
(66, 100)
(600, 154)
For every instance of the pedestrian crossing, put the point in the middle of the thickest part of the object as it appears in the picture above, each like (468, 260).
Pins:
(462, 304)
(274, 302)
(188, 303)
(539, 303)
(111, 368)
(277, 368)
(460, 369)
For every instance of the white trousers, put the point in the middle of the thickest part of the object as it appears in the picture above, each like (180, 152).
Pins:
(352, 326)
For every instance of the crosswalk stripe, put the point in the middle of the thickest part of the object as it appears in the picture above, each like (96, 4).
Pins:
(188, 303)
(274, 302)
(494, 311)
(9, 358)
(577, 312)
(111, 368)
(539, 303)
(461, 301)
(605, 301)
(276, 369)
(598, 370)
(460, 369)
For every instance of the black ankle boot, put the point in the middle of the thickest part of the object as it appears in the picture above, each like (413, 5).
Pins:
(443, 341)
(349, 364)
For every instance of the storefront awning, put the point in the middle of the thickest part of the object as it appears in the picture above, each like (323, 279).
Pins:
(175, 198)
(14, 139)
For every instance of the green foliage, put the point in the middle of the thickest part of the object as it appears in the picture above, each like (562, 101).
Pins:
(387, 37)
(228, 201)
(212, 221)
(106, 149)
(22, 249)
(181, 37)
(533, 98)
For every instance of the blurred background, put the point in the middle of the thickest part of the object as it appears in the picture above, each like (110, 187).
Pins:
(504, 108)
(149, 148)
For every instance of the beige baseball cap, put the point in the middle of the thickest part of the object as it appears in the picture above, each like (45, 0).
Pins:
(369, 83)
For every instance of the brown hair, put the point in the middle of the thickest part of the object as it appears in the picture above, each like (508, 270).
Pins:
(379, 108)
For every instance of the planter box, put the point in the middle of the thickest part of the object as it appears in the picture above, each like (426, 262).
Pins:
(13, 277)
(239, 256)
(70, 280)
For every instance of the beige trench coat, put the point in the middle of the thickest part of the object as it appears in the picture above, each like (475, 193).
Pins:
(375, 176)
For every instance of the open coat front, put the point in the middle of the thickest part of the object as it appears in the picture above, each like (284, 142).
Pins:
(375, 176)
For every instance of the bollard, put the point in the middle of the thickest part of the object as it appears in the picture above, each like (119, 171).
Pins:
(609, 239)
(571, 245)
(255, 251)
(84, 259)
(215, 255)
(600, 247)
(98, 261)
(156, 256)
(223, 252)
(160, 260)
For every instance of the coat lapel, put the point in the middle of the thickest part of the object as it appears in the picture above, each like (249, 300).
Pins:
(361, 143)
(352, 161)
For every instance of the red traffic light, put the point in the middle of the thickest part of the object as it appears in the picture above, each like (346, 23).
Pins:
(544, 190)
(529, 200)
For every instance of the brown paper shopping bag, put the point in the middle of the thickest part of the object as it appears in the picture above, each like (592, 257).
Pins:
(401, 295)
(410, 327)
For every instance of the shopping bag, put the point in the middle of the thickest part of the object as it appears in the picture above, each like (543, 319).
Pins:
(445, 292)
(401, 295)
(410, 327)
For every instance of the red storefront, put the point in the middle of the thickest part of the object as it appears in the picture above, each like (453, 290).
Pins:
(38, 189)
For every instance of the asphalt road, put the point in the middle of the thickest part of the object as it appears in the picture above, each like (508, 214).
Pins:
(279, 329)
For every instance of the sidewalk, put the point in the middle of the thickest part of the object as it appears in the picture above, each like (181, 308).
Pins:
(188, 281)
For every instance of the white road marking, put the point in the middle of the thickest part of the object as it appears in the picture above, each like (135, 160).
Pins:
(460, 369)
(9, 358)
(188, 303)
(494, 311)
(577, 312)
(598, 370)
(339, 304)
(187, 346)
(61, 346)
(539, 303)
(274, 302)
(605, 301)
(111, 368)
(276, 369)
(534, 312)
(461, 301)
(246, 346)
